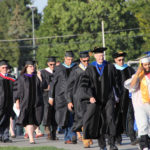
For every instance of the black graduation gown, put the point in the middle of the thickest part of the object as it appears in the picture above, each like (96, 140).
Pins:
(6, 101)
(100, 114)
(72, 96)
(123, 105)
(57, 92)
(29, 91)
(49, 111)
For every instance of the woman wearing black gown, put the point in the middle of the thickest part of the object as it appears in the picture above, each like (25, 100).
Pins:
(28, 98)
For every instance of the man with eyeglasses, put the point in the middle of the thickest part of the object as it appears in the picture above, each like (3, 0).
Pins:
(124, 110)
(49, 112)
(6, 101)
(64, 118)
(96, 88)
(72, 95)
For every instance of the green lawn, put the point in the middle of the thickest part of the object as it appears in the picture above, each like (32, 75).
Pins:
(30, 148)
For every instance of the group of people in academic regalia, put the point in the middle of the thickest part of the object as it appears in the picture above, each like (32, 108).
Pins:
(76, 96)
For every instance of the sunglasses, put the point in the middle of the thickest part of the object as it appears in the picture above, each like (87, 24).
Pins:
(52, 64)
(120, 59)
(85, 60)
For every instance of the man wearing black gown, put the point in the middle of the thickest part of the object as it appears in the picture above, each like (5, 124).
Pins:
(124, 109)
(6, 101)
(71, 94)
(49, 112)
(97, 86)
(64, 118)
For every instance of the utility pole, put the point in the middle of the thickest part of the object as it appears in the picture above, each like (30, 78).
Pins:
(103, 37)
(33, 32)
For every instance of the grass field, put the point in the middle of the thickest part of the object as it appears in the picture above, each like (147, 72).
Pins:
(30, 148)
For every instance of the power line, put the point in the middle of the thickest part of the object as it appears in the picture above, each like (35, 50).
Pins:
(61, 36)
(77, 42)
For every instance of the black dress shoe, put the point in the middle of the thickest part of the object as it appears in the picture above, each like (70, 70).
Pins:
(113, 147)
(7, 141)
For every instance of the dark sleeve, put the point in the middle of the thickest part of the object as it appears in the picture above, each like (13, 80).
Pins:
(44, 84)
(132, 71)
(86, 86)
(44, 80)
(53, 84)
(115, 81)
(70, 86)
(17, 89)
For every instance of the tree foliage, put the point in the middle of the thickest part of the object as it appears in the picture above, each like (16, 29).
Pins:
(76, 25)
(16, 23)
(141, 10)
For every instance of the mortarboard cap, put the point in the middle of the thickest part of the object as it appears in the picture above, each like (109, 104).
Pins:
(147, 53)
(145, 60)
(51, 59)
(69, 54)
(29, 62)
(3, 62)
(119, 54)
(99, 49)
(84, 54)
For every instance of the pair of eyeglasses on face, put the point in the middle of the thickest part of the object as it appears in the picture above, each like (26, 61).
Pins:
(4, 67)
(52, 64)
(120, 59)
(85, 60)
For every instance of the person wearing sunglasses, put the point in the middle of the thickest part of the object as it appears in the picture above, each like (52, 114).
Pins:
(6, 101)
(124, 110)
(96, 87)
(71, 95)
(63, 117)
(49, 113)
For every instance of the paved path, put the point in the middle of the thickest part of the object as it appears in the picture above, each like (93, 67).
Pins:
(21, 142)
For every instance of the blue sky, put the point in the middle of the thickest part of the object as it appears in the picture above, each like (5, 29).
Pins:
(40, 4)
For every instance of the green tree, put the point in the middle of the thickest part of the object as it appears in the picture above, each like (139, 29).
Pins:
(81, 20)
(16, 23)
(141, 10)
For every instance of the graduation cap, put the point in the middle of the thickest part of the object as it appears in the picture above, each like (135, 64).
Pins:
(30, 62)
(3, 62)
(84, 54)
(69, 54)
(145, 60)
(119, 54)
(147, 53)
(51, 59)
(99, 49)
